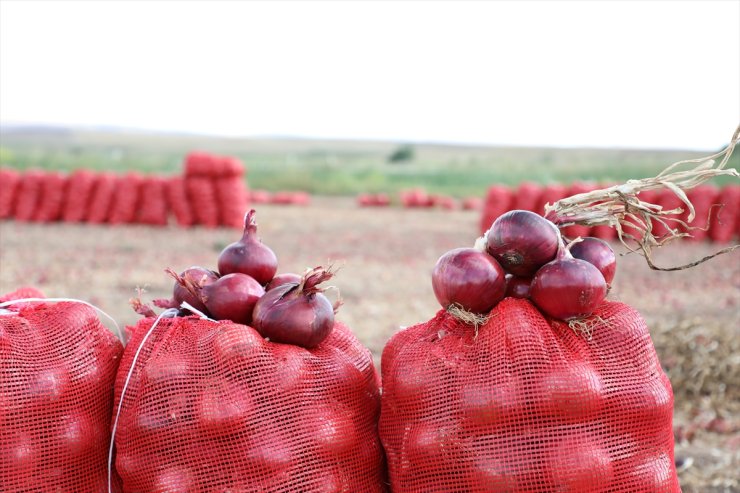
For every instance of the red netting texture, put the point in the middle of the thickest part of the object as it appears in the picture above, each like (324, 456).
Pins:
(202, 198)
(9, 181)
(57, 369)
(724, 218)
(233, 200)
(153, 202)
(214, 407)
(79, 191)
(53, 195)
(126, 199)
(28, 195)
(177, 198)
(527, 405)
(101, 200)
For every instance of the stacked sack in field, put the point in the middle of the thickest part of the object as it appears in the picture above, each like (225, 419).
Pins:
(716, 209)
(528, 380)
(269, 394)
(212, 192)
(216, 189)
(57, 368)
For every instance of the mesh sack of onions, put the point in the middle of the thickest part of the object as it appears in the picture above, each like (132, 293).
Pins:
(498, 200)
(79, 190)
(29, 195)
(232, 197)
(702, 197)
(9, 180)
(203, 202)
(529, 380)
(53, 195)
(214, 406)
(102, 198)
(57, 369)
(199, 163)
(726, 214)
(177, 200)
(153, 203)
(126, 199)
(525, 403)
(526, 196)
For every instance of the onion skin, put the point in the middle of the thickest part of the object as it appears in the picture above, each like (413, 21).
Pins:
(297, 314)
(522, 242)
(203, 276)
(249, 255)
(597, 252)
(279, 280)
(518, 287)
(232, 297)
(568, 289)
(469, 278)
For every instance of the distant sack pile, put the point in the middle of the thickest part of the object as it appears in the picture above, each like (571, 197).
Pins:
(720, 205)
(212, 192)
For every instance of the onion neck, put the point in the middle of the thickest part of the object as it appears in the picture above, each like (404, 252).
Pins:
(250, 225)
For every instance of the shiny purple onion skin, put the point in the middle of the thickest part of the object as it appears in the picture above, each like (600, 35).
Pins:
(522, 242)
(568, 289)
(232, 297)
(200, 275)
(469, 278)
(279, 280)
(597, 252)
(249, 255)
(288, 316)
(518, 287)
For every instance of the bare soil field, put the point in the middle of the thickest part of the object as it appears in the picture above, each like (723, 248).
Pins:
(386, 257)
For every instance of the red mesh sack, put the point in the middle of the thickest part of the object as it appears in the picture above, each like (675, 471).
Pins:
(102, 198)
(9, 180)
(577, 230)
(177, 199)
(199, 163)
(79, 191)
(202, 198)
(214, 407)
(527, 404)
(126, 199)
(228, 167)
(550, 194)
(668, 201)
(53, 195)
(231, 194)
(57, 368)
(20, 294)
(526, 197)
(724, 217)
(153, 203)
(29, 195)
(499, 199)
(702, 198)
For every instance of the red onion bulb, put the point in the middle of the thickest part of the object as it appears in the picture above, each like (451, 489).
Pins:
(249, 255)
(469, 278)
(180, 293)
(297, 314)
(568, 288)
(518, 287)
(597, 252)
(279, 280)
(231, 297)
(522, 242)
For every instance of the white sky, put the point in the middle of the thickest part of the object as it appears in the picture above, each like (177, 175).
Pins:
(603, 73)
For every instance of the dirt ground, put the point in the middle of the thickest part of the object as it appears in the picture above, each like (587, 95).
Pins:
(386, 257)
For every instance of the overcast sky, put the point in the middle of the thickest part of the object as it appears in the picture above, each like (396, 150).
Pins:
(661, 74)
